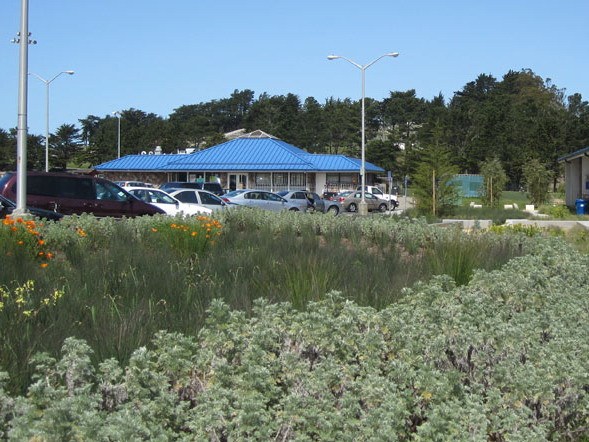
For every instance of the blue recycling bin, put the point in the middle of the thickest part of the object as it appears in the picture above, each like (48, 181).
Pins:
(581, 206)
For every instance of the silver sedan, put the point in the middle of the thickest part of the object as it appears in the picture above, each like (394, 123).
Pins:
(260, 199)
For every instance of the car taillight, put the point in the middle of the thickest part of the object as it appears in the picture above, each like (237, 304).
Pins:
(225, 199)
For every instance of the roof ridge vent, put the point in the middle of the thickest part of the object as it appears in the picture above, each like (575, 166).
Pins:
(258, 134)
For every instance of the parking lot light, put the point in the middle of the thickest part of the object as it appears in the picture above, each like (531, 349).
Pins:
(363, 207)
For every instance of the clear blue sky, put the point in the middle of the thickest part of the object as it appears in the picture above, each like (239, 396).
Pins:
(157, 55)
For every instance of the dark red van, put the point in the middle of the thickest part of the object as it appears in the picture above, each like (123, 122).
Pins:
(75, 194)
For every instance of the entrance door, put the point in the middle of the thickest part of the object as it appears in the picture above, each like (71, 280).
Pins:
(237, 181)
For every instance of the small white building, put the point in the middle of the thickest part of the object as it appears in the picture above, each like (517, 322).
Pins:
(576, 175)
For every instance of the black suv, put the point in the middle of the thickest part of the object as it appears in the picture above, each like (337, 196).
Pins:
(210, 186)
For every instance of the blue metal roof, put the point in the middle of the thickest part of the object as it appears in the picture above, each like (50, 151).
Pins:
(245, 154)
(137, 163)
(340, 163)
(241, 154)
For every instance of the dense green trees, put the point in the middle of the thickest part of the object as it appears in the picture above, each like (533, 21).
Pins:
(515, 119)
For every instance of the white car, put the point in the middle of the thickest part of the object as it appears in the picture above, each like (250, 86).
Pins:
(166, 202)
(201, 197)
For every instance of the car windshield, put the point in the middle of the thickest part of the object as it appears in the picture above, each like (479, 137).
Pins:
(234, 193)
(153, 196)
(161, 197)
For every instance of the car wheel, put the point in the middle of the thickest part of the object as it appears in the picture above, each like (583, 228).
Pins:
(333, 210)
(382, 207)
(352, 207)
(293, 209)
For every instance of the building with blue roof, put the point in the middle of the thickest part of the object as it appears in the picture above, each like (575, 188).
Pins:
(254, 160)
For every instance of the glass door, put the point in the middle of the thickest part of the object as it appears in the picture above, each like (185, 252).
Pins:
(237, 181)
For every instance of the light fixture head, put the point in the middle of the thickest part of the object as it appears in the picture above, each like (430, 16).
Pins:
(393, 54)
(333, 57)
(69, 72)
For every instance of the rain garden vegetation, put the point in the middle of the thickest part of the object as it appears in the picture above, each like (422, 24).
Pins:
(257, 326)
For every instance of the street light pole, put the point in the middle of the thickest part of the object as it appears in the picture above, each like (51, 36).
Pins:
(23, 41)
(47, 83)
(363, 208)
(118, 115)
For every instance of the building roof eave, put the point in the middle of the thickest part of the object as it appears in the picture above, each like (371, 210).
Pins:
(573, 155)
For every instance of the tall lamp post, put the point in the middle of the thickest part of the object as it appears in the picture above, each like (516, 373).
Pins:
(363, 207)
(23, 41)
(118, 115)
(47, 83)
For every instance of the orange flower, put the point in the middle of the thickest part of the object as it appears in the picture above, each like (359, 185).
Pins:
(41, 242)
(43, 265)
(20, 242)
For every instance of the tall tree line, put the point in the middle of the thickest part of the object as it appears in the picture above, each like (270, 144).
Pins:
(515, 119)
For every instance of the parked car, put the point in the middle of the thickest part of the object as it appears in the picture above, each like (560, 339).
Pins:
(260, 199)
(324, 205)
(70, 193)
(340, 197)
(8, 206)
(201, 197)
(311, 201)
(329, 196)
(212, 187)
(352, 202)
(377, 192)
(168, 203)
(300, 198)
